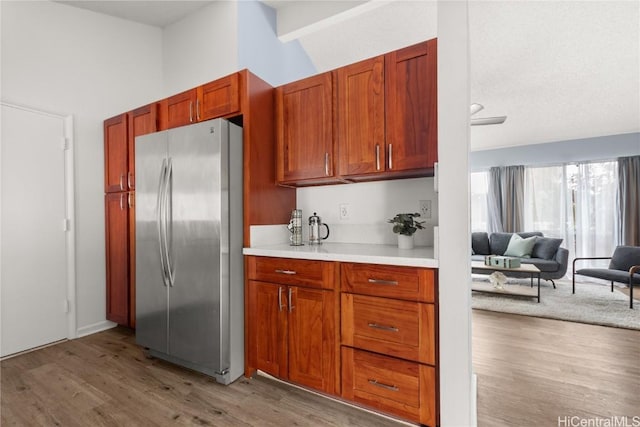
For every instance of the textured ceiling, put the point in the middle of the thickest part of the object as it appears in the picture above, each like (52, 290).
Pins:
(558, 69)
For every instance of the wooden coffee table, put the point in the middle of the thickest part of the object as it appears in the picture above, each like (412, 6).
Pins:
(476, 266)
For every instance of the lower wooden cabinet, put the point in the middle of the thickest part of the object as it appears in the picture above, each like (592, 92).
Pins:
(292, 329)
(388, 336)
(367, 344)
(120, 257)
(390, 384)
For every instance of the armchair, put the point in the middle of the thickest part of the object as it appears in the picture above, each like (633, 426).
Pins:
(624, 267)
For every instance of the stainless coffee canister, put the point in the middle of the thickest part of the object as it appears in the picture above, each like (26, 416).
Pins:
(295, 228)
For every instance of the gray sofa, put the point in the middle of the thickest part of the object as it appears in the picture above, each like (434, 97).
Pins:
(547, 255)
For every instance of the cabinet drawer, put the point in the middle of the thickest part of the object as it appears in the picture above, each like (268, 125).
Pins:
(397, 328)
(407, 389)
(408, 283)
(289, 271)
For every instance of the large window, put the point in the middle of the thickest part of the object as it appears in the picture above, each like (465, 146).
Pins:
(576, 202)
(479, 187)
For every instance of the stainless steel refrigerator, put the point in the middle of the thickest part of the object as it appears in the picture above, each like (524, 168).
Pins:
(189, 267)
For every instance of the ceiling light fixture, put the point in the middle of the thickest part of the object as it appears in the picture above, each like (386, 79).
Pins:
(474, 108)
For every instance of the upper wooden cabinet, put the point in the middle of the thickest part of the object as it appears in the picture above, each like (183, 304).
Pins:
(360, 117)
(119, 145)
(142, 121)
(385, 120)
(412, 107)
(218, 98)
(304, 131)
(116, 154)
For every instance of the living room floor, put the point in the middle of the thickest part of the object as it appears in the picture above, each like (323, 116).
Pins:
(539, 372)
(530, 372)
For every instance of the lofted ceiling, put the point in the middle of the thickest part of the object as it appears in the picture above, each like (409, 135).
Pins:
(558, 69)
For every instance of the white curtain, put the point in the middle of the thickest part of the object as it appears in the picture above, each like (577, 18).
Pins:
(576, 203)
(479, 187)
(595, 186)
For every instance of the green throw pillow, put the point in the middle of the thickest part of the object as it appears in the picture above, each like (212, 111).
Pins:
(519, 247)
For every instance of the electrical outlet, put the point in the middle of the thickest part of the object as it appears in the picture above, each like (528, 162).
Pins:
(425, 209)
(344, 211)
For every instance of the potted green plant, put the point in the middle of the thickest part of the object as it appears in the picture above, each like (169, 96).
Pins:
(405, 225)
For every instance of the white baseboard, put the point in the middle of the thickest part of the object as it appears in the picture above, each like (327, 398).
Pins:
(94, 328)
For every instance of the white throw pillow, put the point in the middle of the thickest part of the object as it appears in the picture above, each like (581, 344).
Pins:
(519, 247)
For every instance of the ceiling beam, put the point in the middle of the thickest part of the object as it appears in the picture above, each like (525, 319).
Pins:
(298, 19)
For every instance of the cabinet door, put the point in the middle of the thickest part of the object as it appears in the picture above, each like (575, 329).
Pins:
(117, 251)
(180, 109)
(142, 121)
(360, 116)
(268, 332)
(115, 154)
(312, 341)
(304, 130)
(218, 98)
(411, 104)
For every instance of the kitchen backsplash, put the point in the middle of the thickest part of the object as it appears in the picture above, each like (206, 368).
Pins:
(367, 206)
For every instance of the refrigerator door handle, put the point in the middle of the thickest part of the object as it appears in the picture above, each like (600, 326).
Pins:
(159, 220)
(168, 223)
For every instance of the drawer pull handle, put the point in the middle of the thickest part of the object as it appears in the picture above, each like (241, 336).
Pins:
(384, 282)
(290, 272)
(384, 328)
(383, 385)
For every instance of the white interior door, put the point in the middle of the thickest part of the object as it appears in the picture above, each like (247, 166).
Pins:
(34, 261)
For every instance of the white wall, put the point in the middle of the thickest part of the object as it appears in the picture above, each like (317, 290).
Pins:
(68, 60)
(370, 204)
(201, 47)
(261, 52)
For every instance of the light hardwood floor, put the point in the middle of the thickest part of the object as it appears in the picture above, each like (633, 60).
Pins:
(530, 372)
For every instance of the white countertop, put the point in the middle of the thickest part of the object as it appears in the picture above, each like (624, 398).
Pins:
(350, 252)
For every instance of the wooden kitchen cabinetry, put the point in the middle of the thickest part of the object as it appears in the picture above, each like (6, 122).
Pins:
(120, 250)
(388, 337)
(360, 117)
(387, 115)
(291, 321)
(116, 154)
(411, 86)
(218, 98)
(119, 146)
(304, 132)
(241, 97)
(384, 120)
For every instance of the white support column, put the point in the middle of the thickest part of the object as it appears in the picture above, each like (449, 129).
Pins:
(457, 387)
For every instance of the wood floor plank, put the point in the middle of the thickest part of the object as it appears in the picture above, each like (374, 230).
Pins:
(530, 372)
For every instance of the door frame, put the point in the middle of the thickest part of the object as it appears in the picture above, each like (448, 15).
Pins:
(66, 144)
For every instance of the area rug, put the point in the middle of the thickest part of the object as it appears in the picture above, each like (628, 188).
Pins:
(592, 303)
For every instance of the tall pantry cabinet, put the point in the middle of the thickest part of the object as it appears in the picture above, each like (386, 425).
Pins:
(119, 143)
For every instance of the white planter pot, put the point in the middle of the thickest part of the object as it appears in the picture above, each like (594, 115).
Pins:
(405, 242)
